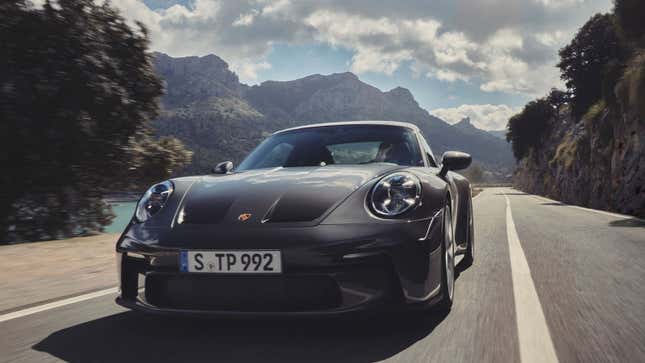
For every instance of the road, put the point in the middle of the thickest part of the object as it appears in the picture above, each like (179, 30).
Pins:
(581, 296)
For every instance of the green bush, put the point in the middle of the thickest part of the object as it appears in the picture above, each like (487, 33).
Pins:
(592, 61)
(527, 128)
(630, 15)
(77, 93)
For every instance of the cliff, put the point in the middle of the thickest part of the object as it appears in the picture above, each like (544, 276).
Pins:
(598, 161)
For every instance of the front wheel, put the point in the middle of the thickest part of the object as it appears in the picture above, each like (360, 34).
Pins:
(448, 261)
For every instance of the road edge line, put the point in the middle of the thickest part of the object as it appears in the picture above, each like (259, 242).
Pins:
(599, 211)
(536, 344)
(56, 304)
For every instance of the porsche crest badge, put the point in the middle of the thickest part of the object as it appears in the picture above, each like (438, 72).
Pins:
(244, 217)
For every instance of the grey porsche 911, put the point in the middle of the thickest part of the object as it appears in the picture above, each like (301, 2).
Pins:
(320, 219)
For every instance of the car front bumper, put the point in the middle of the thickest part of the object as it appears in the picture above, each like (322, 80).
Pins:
(386, 268)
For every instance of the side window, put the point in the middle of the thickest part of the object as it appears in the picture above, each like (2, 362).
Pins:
(428, 151)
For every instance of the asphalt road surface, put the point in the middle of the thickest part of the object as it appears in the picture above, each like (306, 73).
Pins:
(551, 282)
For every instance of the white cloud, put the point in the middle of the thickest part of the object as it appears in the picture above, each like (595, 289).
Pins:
(485, 117)
(498, 45)
(559, 3)
(505, 39)
(552, 39)
(249, 70)
(245, 19)
(447, 75)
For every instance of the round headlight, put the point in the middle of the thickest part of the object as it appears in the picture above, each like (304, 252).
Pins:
(153, 200)
(395, 194)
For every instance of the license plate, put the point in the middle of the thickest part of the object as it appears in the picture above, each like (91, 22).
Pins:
(235, 262)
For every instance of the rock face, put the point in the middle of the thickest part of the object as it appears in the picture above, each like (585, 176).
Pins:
(191, 79)
(221, 119)
(597, 162)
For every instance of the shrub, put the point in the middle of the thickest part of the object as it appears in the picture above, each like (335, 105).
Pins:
(77, 93)
(585, 60)
(527, 128)
(630, 14)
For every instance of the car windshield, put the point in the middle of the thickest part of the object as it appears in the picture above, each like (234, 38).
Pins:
(326, 145)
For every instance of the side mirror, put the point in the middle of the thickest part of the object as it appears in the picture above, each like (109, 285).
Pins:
(224, 167)
(454, 160)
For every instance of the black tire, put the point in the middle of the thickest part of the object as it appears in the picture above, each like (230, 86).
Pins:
(469, 256)
(447, 261)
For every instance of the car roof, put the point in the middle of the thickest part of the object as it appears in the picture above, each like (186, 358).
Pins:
(350, 123)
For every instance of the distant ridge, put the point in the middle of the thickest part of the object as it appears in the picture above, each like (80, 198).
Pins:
(220, 118)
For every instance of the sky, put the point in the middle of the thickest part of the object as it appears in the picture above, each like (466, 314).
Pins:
(482, 59)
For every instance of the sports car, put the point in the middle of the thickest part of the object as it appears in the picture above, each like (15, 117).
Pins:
(320, 219)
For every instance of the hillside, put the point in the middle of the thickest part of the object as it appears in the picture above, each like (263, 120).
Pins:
(466, 126)
(498, 133)
(586, 145)
(598, 161)
(221, 119)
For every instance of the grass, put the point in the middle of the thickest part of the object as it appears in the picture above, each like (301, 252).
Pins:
(631, 88)
(595, 111)
(565, 153)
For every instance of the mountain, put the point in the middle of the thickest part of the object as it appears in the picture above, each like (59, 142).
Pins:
(466, 126)
(220, 118)
(191, 79)
(498, 133)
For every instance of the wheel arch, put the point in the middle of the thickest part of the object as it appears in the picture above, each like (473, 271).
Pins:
(461, 208)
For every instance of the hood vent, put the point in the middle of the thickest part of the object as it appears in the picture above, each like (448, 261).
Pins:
(210, 209)
(297, 207)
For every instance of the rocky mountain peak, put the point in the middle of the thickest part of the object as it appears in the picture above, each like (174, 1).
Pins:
(401, 95)
(194, 79)
(465, 123)
(222, 119)
(194, 64)
(400, 92)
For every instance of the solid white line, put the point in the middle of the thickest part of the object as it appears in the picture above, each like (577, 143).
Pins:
(615, 215)
(532, 331)
(56, 304)
(610, 214)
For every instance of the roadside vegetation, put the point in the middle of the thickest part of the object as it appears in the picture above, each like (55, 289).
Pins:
(606, 53)
(78, 93)
(584, 144)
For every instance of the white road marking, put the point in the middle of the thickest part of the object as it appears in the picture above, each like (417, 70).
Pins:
(56, 304)
(533, 333)
(610, 214)
(615, 215)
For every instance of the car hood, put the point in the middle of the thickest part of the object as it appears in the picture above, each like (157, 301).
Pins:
(279, 195)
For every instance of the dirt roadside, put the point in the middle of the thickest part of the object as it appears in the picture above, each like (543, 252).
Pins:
(41, 271)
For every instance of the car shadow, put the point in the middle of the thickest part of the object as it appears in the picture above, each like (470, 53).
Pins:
(461, 266)
(130, 337)
(630, 222)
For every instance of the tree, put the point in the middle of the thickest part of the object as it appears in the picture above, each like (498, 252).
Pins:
(526, 129)
(557, 99)
(584, 61)
(629, 14)
(77, 94)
